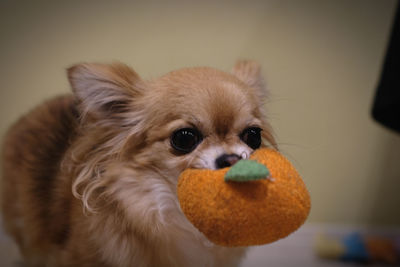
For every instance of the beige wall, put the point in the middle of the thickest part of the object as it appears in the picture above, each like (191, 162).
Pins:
(322, 60)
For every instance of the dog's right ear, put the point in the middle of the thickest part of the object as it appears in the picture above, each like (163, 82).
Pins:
(105, 91)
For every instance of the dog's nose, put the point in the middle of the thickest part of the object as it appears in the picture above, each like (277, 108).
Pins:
(226, 160)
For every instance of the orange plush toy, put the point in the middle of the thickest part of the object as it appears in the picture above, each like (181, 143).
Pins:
(254, 202)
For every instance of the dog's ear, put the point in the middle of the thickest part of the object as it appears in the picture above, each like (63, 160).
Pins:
(105, 91)
(249, 72)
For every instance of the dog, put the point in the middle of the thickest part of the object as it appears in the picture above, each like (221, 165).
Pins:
(89, 178)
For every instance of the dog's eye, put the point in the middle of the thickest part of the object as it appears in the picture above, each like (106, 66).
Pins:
(252, 137)
(186, 140)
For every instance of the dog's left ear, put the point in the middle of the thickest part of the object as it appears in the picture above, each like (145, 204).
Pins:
(249, 72)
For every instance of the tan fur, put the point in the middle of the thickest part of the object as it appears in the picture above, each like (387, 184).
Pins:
(89, 179)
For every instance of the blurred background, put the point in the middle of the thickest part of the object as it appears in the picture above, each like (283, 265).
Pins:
(322, 61)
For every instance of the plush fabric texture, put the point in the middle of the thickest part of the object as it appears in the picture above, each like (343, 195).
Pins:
(246, 170)
(245, 213)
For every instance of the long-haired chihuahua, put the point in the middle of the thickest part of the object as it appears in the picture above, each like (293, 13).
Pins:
(89, 179)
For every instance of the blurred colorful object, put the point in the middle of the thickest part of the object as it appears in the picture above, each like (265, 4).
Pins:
(358, 248)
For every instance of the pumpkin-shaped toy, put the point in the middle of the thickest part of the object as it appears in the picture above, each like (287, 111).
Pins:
(254, 202)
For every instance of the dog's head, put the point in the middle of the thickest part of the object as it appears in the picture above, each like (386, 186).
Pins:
(193, 117)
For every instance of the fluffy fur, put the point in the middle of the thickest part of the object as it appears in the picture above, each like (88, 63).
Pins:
(89, 179)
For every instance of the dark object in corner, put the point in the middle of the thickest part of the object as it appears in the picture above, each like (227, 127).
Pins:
(386, 107)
